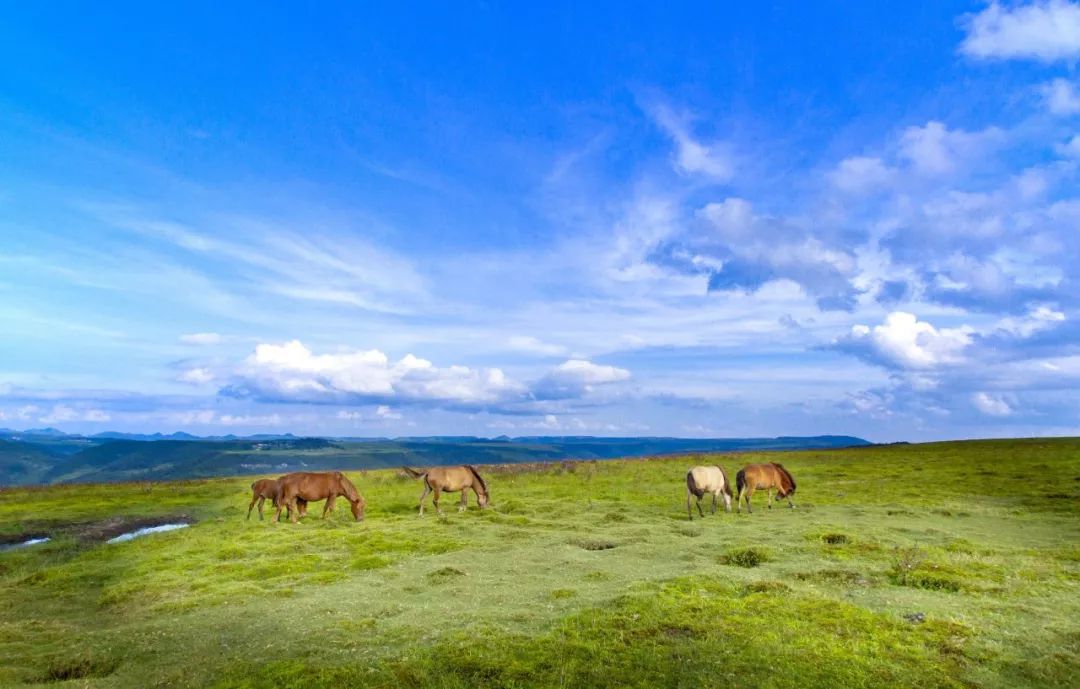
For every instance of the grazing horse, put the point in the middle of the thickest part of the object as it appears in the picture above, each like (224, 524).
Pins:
(764, 477)
(451, 480)
(701, 480)
(308, 486)
(270, 489)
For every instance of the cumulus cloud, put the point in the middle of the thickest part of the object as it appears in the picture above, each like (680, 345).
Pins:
(861, 174)
(905, 342)
(291, 371)
(201, 338)
(1061, 97)
(576, 377)
(753, 250)
(991, 405)
(1046, 31)
(934, 149)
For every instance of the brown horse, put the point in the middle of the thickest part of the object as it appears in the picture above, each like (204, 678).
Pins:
(764, 477)
(308, 486)
(701, 480)
(451, 480)
(270, 489)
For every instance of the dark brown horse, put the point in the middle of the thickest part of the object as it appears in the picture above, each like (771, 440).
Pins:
(308, 486)
(764, 477)
(270, 489)
(451, 480)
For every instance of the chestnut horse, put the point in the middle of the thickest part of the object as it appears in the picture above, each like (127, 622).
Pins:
(308, 486)
(764, 477)
(701, 480)
(451, 480)
(269, 489)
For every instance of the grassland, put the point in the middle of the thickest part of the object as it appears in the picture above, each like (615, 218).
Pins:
(936, 565)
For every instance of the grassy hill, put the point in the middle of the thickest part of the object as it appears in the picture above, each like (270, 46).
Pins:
(933, 565)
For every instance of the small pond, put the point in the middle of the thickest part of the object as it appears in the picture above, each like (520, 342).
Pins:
(24, 544)
(130, 535)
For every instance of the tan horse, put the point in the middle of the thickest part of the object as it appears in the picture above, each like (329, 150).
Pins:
(764, 477)
(270, 489)
(451, 480)
(308, 486)
(701, 480)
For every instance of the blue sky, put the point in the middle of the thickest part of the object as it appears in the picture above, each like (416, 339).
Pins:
(495, 219)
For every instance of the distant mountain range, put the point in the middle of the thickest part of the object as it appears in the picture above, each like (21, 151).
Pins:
(47, 455)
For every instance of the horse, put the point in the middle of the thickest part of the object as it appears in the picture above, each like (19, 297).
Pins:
(270, 489)
(452, 480)
(764, 477)
(308, 486)
(701, 480)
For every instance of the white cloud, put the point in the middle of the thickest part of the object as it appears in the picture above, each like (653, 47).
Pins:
(385, 412)
(934, 149)
(201, 338)
(1071, 148)
(991, 405)
(589, 373)
(903, 341)
(1040, 318)
(345, 415)
(1061, 97)
(292, 371)
(532, 345)
(692, 156)
(62, 412)
(1044, 31)
(250, 420)
(196, 376)
(861, 174)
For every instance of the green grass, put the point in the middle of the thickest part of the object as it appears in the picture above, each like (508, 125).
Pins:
(937, 565)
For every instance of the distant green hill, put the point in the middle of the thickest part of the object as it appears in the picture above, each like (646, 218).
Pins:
(62, 459)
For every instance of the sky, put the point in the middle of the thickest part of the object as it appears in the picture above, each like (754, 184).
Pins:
(483, 218)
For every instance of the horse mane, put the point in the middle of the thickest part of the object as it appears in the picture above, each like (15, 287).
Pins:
(350, 490)
(787, 475)
(476, 474)
(727, 484)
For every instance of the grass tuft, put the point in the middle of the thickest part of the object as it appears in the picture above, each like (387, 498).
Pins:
(745, 557)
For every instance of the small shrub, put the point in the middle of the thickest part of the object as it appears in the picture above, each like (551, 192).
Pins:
(911, 569)
(744, 557)
(834, 539)
(767, 586)
(81, 667)
(446, 574)
(596, 544)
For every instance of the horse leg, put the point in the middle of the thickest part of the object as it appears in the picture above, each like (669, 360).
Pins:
(329, 507)
(727, 502)
(293, 511)
(464, 500)
(261, 501)
(435, 499)
(768, 498)
(427, 489)
(714, 503)
(280, 505)
(254, 499)
(689, 509)
(749, 492)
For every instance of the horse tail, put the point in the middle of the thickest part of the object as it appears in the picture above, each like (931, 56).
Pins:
(727, 484)
(414, 473)
(740, 480)
(479, 478)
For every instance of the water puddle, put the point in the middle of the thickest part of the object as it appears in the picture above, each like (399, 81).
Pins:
(24, 544)
(130, 535)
